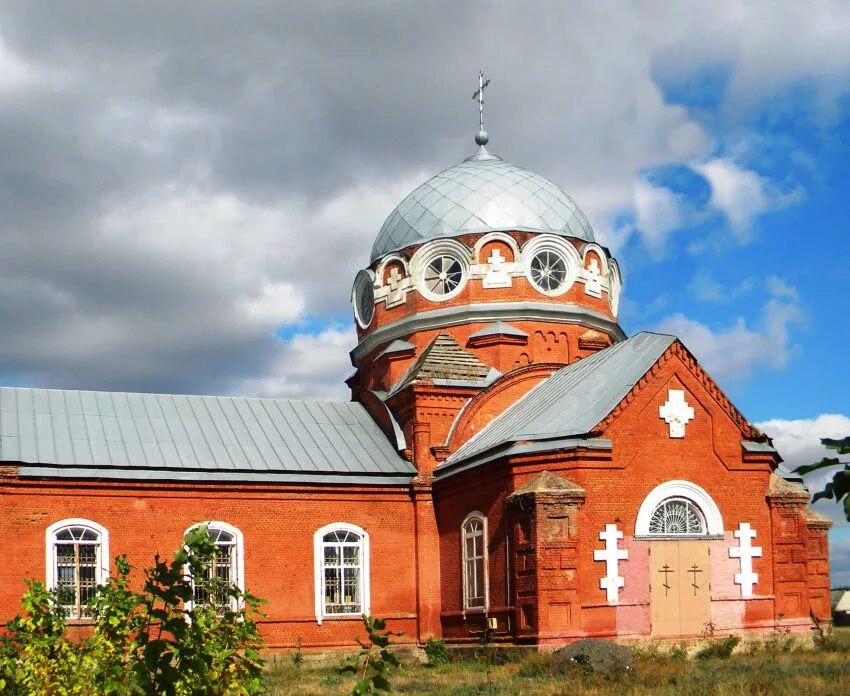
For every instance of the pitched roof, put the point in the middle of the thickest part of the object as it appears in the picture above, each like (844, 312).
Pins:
(443, 358)
(573, 400)
(547, 482)
(86, 434)
(499, 328)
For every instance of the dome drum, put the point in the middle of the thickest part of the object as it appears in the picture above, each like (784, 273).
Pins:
(440, 271)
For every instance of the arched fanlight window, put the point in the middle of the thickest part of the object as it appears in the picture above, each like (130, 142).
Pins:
(226, 568)
(77, 562)
(677, 517)
(342, 571)
(474, 552)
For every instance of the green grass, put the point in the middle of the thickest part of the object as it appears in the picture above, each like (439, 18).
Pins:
(765, 671)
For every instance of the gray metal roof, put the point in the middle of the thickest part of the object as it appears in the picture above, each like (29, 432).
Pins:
(85, 434)
(481, 194)
(573, 400)
(499, 328)
(396, 346)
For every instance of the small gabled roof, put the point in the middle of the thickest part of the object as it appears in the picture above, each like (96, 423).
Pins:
(116, 435)
(444, 359)
(573, 400)
(397, 346)
(499, 328)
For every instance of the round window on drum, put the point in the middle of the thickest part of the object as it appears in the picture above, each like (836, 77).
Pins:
(548, 270)
(443, 275)
(363, 298)
(677, 517)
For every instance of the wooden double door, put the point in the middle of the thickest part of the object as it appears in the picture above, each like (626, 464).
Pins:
(680, 597)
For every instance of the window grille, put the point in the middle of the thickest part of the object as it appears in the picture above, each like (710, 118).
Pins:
(222, 574)
(342, 570)
(474, 563)
(76, 568)
(677, 517)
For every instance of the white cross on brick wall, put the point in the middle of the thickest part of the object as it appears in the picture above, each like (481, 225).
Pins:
(496, 259)
(612, 582)
(592, 279)
(746, 552)
(394, 279)
(676, 412)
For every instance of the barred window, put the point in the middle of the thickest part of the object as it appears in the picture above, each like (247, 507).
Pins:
(77, 563)
(342, 571)
(225, 569)
(474, 551)
(677, 517)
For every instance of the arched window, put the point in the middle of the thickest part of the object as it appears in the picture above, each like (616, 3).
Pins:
(227, 566)
(474, 552)
(342, 570)
(678, 508)
(77, 562)
(677, 517)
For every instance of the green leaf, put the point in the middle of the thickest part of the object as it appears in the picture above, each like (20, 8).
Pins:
(381, 682)
(842, 446)
(824, 463)
(826, 494)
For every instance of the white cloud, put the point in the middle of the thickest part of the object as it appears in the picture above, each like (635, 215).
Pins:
(707, 289)
(798, 442)
(738, 193)
(658, 212)
(308, 366)
(735, 351)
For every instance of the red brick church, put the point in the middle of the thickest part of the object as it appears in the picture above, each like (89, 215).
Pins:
(509, 456)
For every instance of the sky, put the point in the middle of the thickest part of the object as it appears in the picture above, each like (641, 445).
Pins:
(188, 189)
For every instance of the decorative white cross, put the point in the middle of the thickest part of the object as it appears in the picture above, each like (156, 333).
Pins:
(676, 412)
(746, 552)
(496, 259)
(394, 279)
(497, 276)
(592, 279)
(612, 582)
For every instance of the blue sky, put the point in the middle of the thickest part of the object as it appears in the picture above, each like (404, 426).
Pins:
(188, 189)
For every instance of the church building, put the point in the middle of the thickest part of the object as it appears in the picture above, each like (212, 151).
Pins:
(509, 458)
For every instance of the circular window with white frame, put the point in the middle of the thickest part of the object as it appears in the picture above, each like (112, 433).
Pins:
(441, 271)
(363, 298)
(550, 266)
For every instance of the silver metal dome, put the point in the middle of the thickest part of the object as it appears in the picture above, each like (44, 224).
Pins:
(481, 194)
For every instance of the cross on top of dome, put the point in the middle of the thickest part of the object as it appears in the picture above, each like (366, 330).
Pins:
(481, 137)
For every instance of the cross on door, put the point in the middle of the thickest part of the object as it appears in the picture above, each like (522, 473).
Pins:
(693, 571)
(666, 569)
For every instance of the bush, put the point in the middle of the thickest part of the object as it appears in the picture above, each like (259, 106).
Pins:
(537, 665)
(596, 655)
(436, 652)
(140, 642)
(719, 648)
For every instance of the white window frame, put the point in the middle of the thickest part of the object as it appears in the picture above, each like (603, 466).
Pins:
(475, 515)
(102, 568)
(679, 489)
(319, 570)
(238, 565)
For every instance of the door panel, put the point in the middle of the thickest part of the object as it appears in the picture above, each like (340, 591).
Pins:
(680, 601)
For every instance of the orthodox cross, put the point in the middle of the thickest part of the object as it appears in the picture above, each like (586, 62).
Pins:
(746, 552)
(666, 570)
(479, 95)
(693, 571)
(676, 412)
(612, 582)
